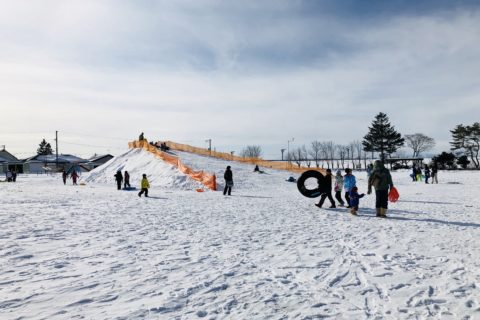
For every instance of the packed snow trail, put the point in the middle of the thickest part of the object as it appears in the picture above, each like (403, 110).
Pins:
(265, 252)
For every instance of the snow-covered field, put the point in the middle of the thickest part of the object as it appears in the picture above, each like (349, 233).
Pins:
(266, 252)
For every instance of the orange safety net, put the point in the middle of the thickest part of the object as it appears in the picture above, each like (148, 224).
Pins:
(206, 179)
(227, 156)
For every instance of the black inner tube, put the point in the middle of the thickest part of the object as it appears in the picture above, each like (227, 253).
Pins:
(311, 193)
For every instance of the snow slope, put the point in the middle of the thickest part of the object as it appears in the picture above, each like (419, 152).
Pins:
(266, 252)
(138, 162)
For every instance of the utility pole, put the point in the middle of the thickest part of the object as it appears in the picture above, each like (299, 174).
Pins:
(282, 150)
(288, 150)
(209, 145)
(56, 149)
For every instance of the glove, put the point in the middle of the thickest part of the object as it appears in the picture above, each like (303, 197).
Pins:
(369, 191)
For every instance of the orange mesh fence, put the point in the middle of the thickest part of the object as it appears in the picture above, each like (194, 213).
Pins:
(227, 156)
(208, 180)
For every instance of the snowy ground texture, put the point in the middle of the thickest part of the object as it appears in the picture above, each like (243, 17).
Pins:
(266, 252)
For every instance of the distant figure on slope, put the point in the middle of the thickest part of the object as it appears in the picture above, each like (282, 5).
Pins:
(327, 193)
(74, 177)
(355, 200)
(14, 175)
(427, 173)
(434, 173)
(338, 188)
(141, 137)
(64, 176)
(144, 185)
(126, 180)
(119, 178)
(381, 180)
(257, 169)
(228, 176)
(349, 182)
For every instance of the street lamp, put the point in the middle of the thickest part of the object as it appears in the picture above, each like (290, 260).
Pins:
(282, 150)
(288, 148)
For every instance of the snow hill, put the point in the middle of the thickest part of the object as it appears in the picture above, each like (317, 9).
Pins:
(266, 252)
(138, 162)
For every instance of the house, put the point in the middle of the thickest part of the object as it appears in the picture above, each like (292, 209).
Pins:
(48, 163)
(97, 160)
(9, 162)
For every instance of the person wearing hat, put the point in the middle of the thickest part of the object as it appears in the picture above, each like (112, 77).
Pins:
(327, 193)
(228, 176)
(381, 180)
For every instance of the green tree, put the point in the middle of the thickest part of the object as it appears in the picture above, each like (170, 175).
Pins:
(382, 137)
(463, 161)
(44, 148)
(445, 159)
(467, 139)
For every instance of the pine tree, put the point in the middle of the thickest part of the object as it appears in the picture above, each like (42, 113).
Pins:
(467, 138)
(44, 148)
(382, 137)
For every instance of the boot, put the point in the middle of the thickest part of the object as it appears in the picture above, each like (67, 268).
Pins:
(383, 212)
(379, 212)
(353, 212)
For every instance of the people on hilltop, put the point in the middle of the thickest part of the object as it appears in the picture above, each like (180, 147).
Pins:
(74, 177)
(381, 180)
(228, 176)
(338, 188)
(349, 182)
(426, 170)
(434, 173)
(355, 200)
(126, 179)
(119, 179)
(64, 177)
(141, 137)
(145, 185)
(327, 192)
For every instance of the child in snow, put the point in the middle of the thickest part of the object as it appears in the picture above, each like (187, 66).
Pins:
(349, 182)
(338, 188)
(355, 200)
(145, 185)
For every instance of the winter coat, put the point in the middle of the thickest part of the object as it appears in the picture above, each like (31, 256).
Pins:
(338, 183)
(228, 175)
(380, 178)
(328, 183)
(127, 177)
(355, 198)
(349, 181)
(145, 184)
(427, 172)
(118, 177)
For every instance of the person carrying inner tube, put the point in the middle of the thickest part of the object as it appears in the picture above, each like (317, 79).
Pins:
(327, 192)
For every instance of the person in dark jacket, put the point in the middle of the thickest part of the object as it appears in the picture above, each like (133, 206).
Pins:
(381, 180)
(126, 181)
(427, 173)
(414, 173)
(327, 193)
(355, 200)
(64, 176)
(228, 181)
(119, 178)
(74, 177)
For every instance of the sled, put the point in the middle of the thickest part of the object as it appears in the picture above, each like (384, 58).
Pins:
(129, 189)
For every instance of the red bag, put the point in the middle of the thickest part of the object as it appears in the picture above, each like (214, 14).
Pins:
(393, 195)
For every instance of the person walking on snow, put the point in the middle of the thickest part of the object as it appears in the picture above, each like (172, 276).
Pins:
(338, 188)
(74, 177)
(349, 182)
(355, 200)
(228, 176)
(126, 180)
(328, 191)
(381, 180)
(64, 176)
(434, 173)
(119, 178)
(427, 173)
(145, 185)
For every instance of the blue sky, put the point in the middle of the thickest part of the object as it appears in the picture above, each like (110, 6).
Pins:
(236, 72)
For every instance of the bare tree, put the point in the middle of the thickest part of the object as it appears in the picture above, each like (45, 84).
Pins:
(324, 153)
(342, 152)
(297, 155)
(358, 147)
(419, 143)
(305, 156)
(330, 148)
(251, 152)
(315, 151)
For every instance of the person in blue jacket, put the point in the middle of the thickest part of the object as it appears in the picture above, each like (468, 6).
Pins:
(349, 182)
(355, 200)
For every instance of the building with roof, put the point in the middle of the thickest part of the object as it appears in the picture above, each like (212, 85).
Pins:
(48, 163)
(97, 160)
(9, 162)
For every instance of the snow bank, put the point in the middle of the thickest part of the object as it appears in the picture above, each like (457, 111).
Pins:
(137, 162)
